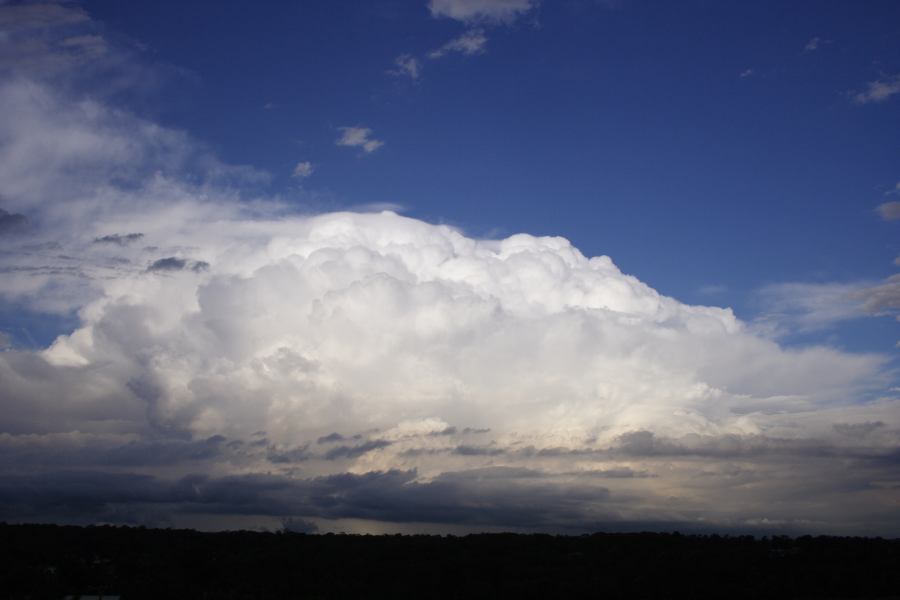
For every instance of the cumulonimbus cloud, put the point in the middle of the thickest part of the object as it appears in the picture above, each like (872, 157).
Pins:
(400, 366)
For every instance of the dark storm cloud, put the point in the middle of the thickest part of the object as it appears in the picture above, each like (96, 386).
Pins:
(80, 496)
(466, 450)
(356, 451)
(505, 497)
(168, 264)
(331, 437)
(856, 430)
(289, 455)
(172, 263)
(92, 453)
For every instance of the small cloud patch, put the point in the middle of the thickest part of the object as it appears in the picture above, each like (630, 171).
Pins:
(889, 211)
(470, 43)
(172, 263)
(119, 239)
(406, 65)
(359, 137)
(879, 90)
(303, 169)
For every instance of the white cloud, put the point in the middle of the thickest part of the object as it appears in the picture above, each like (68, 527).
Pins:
(359, 137)
(746, 73)
(407, 65)
(47, 38)
(805, 307)
(303, 169)
(299, 326)
(20, 18)
(883, 298)
(812, 45)
(879, 90)
(491, 11)
(889, 211)
(469, 43)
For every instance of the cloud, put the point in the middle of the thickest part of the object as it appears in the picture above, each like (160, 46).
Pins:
(486, 11)
(469, 43)
(246, 360)
(746, 73)
(805, 307)
(119, 239)
(879, 90)
(172, 263)
(47, 38)
(359, 137)
(406, 65)
(12, 222)
(889, 211)
(883, 298)
(813, 44)
(303, 169)
(355, 451)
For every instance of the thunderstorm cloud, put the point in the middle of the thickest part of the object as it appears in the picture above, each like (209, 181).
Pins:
(242, 359)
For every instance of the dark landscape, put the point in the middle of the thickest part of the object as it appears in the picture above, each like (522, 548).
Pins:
(48, 561)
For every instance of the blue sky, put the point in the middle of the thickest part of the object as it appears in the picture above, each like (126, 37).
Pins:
(618, 265)
(704, 146)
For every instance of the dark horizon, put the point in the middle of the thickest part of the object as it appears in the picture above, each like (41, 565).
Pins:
(51, 560)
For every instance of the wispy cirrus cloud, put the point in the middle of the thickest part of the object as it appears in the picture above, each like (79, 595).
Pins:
(879, 90)
(889, 211)
(477, 15)
(815, 43)
(303, 169)
(469, 43)
(482, 11)
(805, 307)
(406, 65)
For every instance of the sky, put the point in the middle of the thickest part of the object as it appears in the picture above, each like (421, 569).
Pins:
(451, 265)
